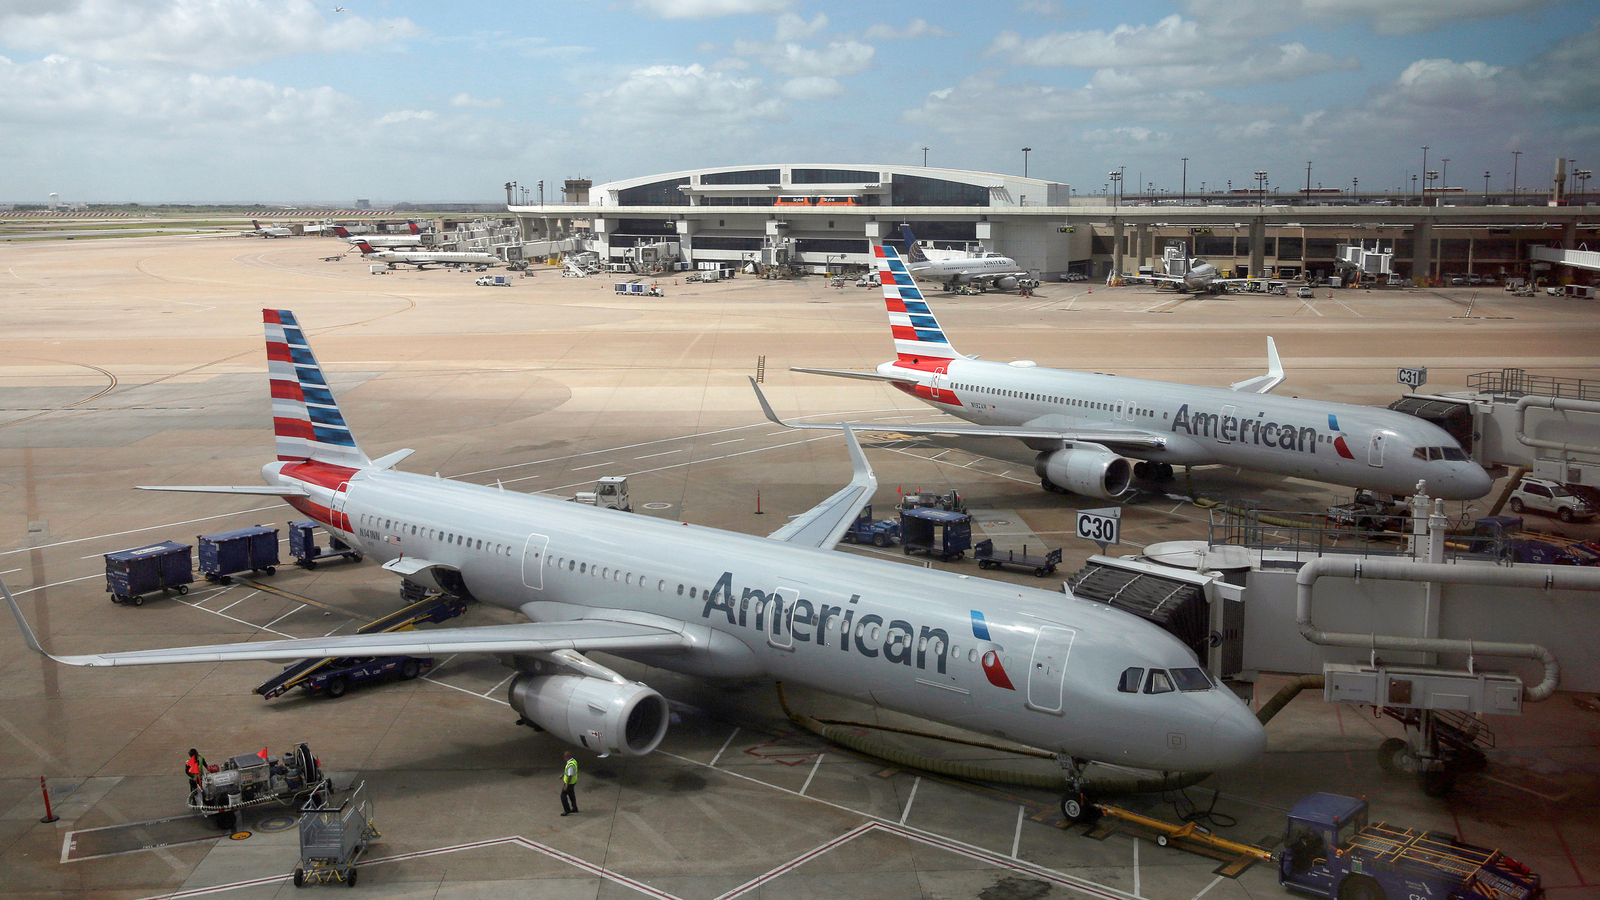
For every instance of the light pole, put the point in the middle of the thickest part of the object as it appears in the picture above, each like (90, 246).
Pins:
(1355, 189)
(1431, 175)
(1261, 188)
(1308, 180)
(1424, 164)
(1485, 187)
(924, 157)
(1444, 175)
(1184, 196)
(1025, 152)
(1116, 187)
(1582, 175)
(541, 192)
(1516, 157)
(1414, 189)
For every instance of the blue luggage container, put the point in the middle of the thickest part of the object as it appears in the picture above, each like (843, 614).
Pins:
(242, 550)
(130, 574)
(303, 546)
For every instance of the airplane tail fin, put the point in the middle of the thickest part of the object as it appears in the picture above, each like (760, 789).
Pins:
(341, 231)
(365, 247)
(413, 226)
(913, 249)
(917, 334)
(305, 418)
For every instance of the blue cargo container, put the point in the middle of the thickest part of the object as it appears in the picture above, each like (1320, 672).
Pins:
(303, 546)
(936, 532)
(242, 550)
(130, 574)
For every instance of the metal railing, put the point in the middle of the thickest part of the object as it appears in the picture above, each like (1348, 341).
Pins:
(1519, 383)
(1295, 538)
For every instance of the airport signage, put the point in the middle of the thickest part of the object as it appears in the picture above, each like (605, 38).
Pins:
(1066, 229)
(1103, 526)
(1413, 376)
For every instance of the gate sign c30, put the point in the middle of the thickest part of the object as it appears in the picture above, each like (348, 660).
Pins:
(1103, 526)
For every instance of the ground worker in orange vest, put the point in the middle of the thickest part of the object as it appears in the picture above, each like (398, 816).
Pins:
(195, 768)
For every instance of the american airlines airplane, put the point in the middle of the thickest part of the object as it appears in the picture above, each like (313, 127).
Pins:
(1086, 426)
(424, 258)
(1003, 272)
(1077, 678)
(414, 239)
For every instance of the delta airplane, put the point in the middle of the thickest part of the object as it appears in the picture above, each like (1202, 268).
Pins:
(271, 231)
(424, 258)
(1000, 271)
(1086, 426)
(1077, 678)
(414, 239)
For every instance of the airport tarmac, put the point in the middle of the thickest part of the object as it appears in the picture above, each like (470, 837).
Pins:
(139, 361)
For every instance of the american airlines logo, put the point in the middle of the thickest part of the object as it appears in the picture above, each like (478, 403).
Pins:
(1300, 439)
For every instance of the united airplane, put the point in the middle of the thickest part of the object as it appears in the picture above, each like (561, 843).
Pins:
(424, 258)
(1077, 678)
(413, 239)
(1000, 271)
(1086, 427)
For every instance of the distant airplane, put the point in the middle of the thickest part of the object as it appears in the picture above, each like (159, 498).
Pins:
(1189, 274)
(424, 258)
(338, 9)
(271, 231)
(1000, 271)
(414, 239)
(1085, 426)
(1078, 679)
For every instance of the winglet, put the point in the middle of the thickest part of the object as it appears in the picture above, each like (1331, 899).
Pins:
(765, 406)
(390, 460)
(28, 636)
(1262, 384)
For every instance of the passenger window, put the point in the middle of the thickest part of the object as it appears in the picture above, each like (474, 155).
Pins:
(1160, 682)
(691, 593)
(1129, 684)
(1191, 679)
(571, 564)
(680, 590)
(582, 568)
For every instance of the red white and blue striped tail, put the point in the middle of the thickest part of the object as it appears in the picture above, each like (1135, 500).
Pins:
(917, 335)
(305, 417)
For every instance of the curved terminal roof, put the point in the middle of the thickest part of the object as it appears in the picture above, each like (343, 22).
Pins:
(839, 184)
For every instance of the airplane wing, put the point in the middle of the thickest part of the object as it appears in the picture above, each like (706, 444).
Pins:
(1130, 438)
(268, 490)
(1262, 384)
(823, 524)
(530, 637)
(864, 376)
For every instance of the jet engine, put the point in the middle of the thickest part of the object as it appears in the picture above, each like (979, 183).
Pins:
(1089, 471)
(1006, 283)
(599, 715)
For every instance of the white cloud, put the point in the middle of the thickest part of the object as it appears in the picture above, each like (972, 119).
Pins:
(1386, 16)
(1258, 65)
(465, 99)
(811, 87)
(708, 9)
(1124, 135)
(407, 115)
(201, 34)
(680, 97)
(1041, 7)
(792, 28)
(915, 28)
(837, 59)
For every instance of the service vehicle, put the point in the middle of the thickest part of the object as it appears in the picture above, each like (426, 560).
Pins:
(877, 532)
(340, 675)
(1305, 293)
(936, 532)
(1370, 511)
(493, 281)
(1551, 498)
(253, 779)
(922, 500)
(610, 492)
(990, 558)
(1332, 850)
(1505, 538)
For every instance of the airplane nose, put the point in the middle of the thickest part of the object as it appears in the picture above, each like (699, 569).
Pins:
(1469, 482)
(1237, 737)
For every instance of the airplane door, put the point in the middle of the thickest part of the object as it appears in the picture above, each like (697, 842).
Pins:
(533, 556)
(1375, 450)
(1048, 670)
(778, 617)
(937, 385)
(1228, 412)
(340, 520)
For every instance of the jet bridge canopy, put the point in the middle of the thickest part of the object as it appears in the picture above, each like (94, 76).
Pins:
(1176, 604)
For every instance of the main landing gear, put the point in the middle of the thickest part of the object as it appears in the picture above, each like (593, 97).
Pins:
(1153, 471)
(1075, 805)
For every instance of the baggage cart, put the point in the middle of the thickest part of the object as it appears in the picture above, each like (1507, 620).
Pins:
(333, 837)
(989, 558)
(241, 550)
(130, 574)
(936, 532)
(303, 546)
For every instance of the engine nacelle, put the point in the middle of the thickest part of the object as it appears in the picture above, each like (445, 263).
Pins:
(598, 715)
(1090, 471)
(1007, 283)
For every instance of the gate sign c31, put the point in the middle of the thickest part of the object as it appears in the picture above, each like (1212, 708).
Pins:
(1413, 376)
(1103, 526)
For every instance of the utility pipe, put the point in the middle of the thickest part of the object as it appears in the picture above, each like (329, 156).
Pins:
(1560, 403)
(1538, 577)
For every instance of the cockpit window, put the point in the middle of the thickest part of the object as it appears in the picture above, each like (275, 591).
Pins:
(1160, 682)
(1434, 454)
(1191, 679)
(1130, 680)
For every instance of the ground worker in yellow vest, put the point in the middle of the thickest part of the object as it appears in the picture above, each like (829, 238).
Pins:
(569, 785)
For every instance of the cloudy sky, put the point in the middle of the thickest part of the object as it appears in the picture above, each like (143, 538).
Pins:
(289, 100)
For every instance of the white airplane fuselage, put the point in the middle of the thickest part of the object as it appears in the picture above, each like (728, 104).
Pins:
(388, 240)
(1037, 667)
(956, 271)
(1337, 443)
(422, 258)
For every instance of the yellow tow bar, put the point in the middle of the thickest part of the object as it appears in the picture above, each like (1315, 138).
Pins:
(1189, 833)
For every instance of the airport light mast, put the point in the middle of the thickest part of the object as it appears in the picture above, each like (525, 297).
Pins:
(1261, 188)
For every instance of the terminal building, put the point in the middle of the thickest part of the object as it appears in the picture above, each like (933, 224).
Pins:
(824, 217)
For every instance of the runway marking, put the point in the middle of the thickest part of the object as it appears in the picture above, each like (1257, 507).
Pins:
(911, 799)
(285, 616)
(1205, 890)
(720, 443)
(708, 459)
(1136, 844)
(233, 619)
(513, 674)
(57, 584)
(724, 747)
(1016, 840)
(662, 453)
(814, 767)
(137, 530)
(581, 468)
(238, 601)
